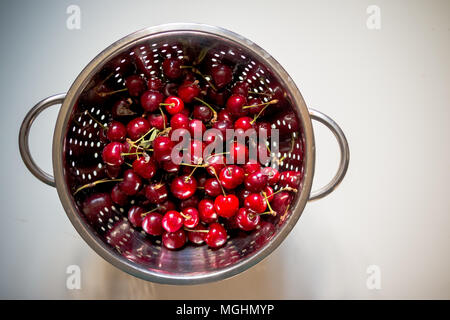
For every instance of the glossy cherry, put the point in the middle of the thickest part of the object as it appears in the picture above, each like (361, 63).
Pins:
(207, 211)
(179, 121)
(162, 147)
(234, 105)
(174, 240)
(150, 100)
(231, 176)
(216, 236)
(152, 224)
(112, 154)
(137, 127)
(196, 128)
(244, 123)
(173, 105)
(212, 187)
(273, 176)
(221, 75)
(255, 202)
(172, 68)
(202, 112)
(183, 187)
(135, 85)
(116, 131)
(157, 120)
(118, 196)
(188, 91)
(226, 206)
(172, 221)
(191, 217)
(145, 167)
(131, 183)
(197, 237)
(135, 215)
(256, 181)
(156, 193)
(247, 220)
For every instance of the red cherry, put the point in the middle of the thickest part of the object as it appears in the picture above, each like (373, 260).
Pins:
(195, 151)
(173, 105)
(255, 202)
(231, 176)
(246, 220)
(174, 240)
(113, 171)
(196, 127)
(156, 193)
(179, 121)
(234, 105)
(112, 154)
(97, 207)
(256, 181)
(145, 167)
(207, 211)
(226, 206)
(135, 85)
(281, 201)
(216, 236)
(157, 120)
(165, 206)
(258, 106)
(131, 182)
(150, 100)
(170, 166)
(212, 187)
(241, 88)
(222, 126)
(290, 179)
(116, 131)
(152, 224)
(244, 123)
(183, 187)
(191, 217)
(273, 176)
(188, 91)
(162, 147)
(238, 153)
(252, 166)
(215, 163)
(202, 113)
(135, 215)
(118, 196)
(172, 68)
(197, 237)
(154, 84)
(269, 193)
(224, 115)
(172, 221)
(137, 127)
(221, 75)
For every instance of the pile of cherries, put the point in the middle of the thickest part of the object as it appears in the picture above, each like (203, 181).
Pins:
(200, 200)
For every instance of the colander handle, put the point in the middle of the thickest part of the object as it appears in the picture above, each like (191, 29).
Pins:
(345, 154)
(24, 134)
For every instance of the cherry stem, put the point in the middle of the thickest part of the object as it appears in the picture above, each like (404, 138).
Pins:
(252, 215)
(260, 93)
(131, 153)
(214, 118)
(146, 213)
(268, 204)
(192, 230)
(164, 118)
(285, 189)
(147, 133)
(192, 172)
(195, 70)
(93, 118)
(220, 183)
(261, 104)
(187, 217)
(262, 110)
(93, 184)
(105, 94)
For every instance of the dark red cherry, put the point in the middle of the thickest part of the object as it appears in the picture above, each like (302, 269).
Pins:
(244, 123)
(207, 211)
(196, 128)
(112, 154)
(172, 221)
(170, 166)
(216, 236)
(173, 105)
(290, 179)
(145, 167)
(165, 206)
(118, 196)
(246, 220)
(157, 120)
(273, 176)
(256, 106)
(190, 202)
(154, 84)
(188, 91)
(225, 115)
(238, 153)
(241, 88)
(222, 75)
(191, 217)
(179, 121)
(183, 187)
(202, 113)
(135, 215)
(131, 183)
(222, 126)
(218, 97)
(234, 105)
(256, 181)
(174, 240)
(150, 100)
(264, 129)
(152, 224)
(162, 147)
(255, 202)
(215, 164)
(156, 193)
(197, 237)
(231, 176)
(172, 68)
(226, 206)
(135, 85)
(281, 201)
(97, 206)
(137, 127)
(113, 171)
(269, 193)
(116, 131)
(212, 187)
(252, 166)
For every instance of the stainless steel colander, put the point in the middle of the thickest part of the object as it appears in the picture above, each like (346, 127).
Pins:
(78, 142)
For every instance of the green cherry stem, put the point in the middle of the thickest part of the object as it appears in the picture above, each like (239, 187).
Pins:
(93, 184)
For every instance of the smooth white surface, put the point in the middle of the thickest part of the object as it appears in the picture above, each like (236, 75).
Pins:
(388, 90)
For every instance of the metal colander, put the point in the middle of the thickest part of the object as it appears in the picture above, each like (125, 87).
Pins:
(79, 140)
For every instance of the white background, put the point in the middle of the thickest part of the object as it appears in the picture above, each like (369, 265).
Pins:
(388, 89)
